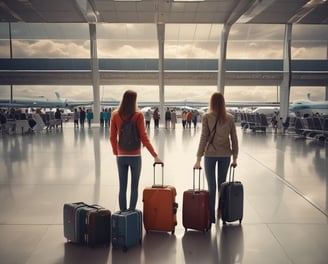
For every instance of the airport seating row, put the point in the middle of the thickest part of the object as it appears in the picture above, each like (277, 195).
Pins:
(34, 123)
(312, 127)
(254, 121)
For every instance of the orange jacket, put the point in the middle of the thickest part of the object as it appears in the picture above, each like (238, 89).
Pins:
(115, 126)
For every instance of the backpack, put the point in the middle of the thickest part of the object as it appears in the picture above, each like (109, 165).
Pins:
(128, 136)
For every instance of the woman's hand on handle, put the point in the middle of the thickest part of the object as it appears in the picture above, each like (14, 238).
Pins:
(157, 160)
(197, 165)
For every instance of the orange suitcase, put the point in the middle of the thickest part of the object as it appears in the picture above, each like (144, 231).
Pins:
(159, 206)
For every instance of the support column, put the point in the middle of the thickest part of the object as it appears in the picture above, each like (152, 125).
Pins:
(223, 57)
(326, 93)
(95, 73)
(286, 81)
(161, 39)
(11, 56)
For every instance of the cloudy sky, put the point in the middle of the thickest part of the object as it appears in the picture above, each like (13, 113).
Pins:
(181, 41)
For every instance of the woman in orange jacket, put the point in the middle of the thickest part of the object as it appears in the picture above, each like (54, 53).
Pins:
(129, 158)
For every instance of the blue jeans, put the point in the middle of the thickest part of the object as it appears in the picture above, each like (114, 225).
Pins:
(222, 170)
(123, 164)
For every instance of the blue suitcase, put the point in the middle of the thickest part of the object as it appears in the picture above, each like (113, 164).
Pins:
(126, 229)
(81, 221)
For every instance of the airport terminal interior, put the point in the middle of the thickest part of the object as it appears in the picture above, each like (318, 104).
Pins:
(285, 203)
(258, 53)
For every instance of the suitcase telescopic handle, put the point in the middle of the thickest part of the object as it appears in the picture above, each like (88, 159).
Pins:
(194, 176)
(162, 165)
(232, 168)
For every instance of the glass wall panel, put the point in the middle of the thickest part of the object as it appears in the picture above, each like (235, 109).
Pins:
(34, 40)
(4, 40)
(127, 41)
(192, 41)
(252, 41)
(251, 94)
(47, 92)
(310, 42)
(316, 93)
(4, 91)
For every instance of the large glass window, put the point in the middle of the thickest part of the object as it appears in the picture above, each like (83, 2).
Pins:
(127, 41)
(253, 41)
(47, 92)
(192, 41)
(34, 40)
(4, 40)
(316, 93)
(310, 42)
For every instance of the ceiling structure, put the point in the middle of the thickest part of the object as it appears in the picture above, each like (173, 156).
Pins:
(165, 11)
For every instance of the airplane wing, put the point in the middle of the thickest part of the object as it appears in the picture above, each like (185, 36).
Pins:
(43, 103)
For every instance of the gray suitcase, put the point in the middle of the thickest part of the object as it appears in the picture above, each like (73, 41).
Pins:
(231, 202)
(69, 212)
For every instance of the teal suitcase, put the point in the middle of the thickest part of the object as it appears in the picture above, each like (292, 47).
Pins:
(126, 229)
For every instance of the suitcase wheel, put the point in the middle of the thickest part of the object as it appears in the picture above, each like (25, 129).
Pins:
(173, 231)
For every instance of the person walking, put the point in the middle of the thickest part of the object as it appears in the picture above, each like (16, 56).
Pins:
(189, 118)
(129, 159)
(218, 142)
(89, 117)
(148, 118)
(156, 117)
(82, 116)
(173, 118)
(167, 118)
(184, 119)
(76, 118)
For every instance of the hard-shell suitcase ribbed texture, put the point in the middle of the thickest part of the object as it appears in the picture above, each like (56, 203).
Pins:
(69, 212)
(87, 224)
(196, 208)
(231, 202)
(99, 226)
(160, 207)
(126, 228)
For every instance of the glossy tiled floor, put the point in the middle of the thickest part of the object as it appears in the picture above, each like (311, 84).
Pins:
(286, 198)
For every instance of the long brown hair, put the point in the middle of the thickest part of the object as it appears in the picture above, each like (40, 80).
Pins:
(217, 106)
(128, 105)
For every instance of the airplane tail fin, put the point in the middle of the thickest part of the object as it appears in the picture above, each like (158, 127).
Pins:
(58, 96)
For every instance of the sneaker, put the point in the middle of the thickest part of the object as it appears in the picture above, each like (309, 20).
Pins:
(218, 213)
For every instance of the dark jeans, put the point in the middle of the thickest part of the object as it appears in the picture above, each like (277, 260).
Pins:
(156, 123)
(123, 165)
(210, 171)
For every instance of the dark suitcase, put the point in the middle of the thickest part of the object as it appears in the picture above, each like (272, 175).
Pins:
(98, 226)
(159, 206)
(69, 212)
(231, 200)
(81, 224)
(196, 208)
(87, 224)
(126, 229)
